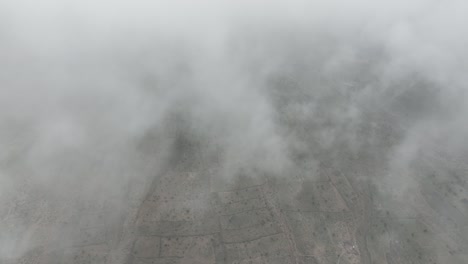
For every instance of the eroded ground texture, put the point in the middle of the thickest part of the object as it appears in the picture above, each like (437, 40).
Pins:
(328, 209)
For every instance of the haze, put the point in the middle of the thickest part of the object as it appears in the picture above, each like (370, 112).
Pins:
(140, 132)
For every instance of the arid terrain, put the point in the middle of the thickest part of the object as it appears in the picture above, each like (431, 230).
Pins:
(332, 212)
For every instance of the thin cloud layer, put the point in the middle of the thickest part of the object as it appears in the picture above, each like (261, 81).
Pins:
(99, 97)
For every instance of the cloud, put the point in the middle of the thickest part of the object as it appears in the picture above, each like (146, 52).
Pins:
(97, 97)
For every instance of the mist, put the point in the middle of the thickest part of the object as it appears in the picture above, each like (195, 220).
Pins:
(104, 102)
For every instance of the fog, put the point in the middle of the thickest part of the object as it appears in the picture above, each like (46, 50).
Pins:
(99, 98)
